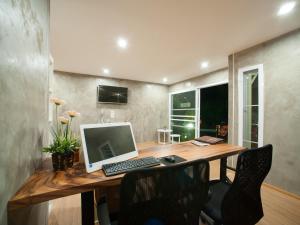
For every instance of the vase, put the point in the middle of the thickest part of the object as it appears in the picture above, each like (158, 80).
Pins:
(62, 161)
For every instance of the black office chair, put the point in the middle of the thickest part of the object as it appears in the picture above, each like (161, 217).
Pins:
(240, 203)
(168, 195)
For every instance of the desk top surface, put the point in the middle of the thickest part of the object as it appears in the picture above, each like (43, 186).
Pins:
(45, 184)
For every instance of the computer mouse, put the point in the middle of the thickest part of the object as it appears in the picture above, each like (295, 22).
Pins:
(170, 158)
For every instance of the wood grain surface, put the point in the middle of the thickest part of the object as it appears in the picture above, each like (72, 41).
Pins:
(45, 184)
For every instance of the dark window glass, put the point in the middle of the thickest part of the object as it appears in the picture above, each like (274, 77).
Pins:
(185, 100)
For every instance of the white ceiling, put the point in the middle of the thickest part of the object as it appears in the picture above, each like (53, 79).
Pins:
(167, 38)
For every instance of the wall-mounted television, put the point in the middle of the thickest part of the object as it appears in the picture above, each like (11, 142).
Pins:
(112, 94)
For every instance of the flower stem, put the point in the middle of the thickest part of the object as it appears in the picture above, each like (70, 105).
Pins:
(68, 128)
(57, 128)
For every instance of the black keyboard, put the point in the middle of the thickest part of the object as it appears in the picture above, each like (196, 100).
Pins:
(128, 165)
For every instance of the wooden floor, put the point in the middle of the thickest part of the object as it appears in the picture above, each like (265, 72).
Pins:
(280, 208)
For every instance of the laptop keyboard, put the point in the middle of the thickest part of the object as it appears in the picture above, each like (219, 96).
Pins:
(129, 165)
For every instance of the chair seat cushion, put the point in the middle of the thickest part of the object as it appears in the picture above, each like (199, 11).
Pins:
(213, 206)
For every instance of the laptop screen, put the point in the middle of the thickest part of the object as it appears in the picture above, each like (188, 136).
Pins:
(107, 142)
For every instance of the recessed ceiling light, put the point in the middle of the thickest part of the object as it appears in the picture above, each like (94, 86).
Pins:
(285, 8)
(105, 71)
(165, 79)
(188, 84)
(204, 64)
(122, 43)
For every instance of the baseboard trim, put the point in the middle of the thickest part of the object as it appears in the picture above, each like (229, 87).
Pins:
(293, 195)
(290, 194)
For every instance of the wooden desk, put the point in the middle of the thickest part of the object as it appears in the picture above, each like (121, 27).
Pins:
(45, 184)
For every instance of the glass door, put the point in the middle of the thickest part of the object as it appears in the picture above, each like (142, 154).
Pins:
(250, 107)
(183, 114)
(214, 111)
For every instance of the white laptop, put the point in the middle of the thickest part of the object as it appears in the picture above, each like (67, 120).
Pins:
(107, 143)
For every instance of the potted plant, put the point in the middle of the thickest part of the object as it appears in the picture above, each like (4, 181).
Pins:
(64, 141)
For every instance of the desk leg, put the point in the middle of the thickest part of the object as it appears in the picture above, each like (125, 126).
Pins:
(223, 164)
(87, 208)
(223, 171)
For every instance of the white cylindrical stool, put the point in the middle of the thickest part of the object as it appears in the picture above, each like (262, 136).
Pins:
(165, 134)
(175, 136)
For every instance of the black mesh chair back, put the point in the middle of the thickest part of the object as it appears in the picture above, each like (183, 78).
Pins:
(242, 203)
(169, 195)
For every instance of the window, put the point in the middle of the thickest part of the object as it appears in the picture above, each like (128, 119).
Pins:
(183, 114)
(251, 106)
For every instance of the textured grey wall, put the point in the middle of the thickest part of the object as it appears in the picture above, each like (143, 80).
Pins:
(23, 99)
(147, 107)
(207, 79)
(281, 60)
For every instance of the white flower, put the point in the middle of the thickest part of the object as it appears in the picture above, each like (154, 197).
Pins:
(63, 120)
(73, 113)
(57, 101)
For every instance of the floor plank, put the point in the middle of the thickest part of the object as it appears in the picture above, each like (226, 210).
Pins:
(65, 210)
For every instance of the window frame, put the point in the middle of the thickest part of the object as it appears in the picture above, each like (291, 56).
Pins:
(194, 119)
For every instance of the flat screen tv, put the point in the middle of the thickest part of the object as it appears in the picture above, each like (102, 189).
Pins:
(112, 94)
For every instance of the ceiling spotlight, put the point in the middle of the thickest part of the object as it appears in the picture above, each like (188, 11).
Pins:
(165, 79)
(122, 43)
(285, 8)
(188, 84)
(204, 64)
(105, 71)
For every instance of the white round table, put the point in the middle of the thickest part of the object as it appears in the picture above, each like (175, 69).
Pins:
(166, 132)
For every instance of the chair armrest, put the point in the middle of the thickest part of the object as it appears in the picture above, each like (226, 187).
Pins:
(102, 211)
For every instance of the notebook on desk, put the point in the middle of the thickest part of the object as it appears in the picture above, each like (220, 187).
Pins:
(209, 140)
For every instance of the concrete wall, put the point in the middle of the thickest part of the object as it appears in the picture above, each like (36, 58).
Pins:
(281, 60)
(147, 107)
(203, 80)
(24, 51)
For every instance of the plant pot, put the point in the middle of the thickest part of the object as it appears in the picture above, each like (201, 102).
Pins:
(58, 161)
(62, 161)
(76, 155)
(69, 159)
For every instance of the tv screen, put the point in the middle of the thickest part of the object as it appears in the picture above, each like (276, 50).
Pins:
(111, 94)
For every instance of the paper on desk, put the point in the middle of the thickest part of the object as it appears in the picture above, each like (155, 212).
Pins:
(199, 143)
